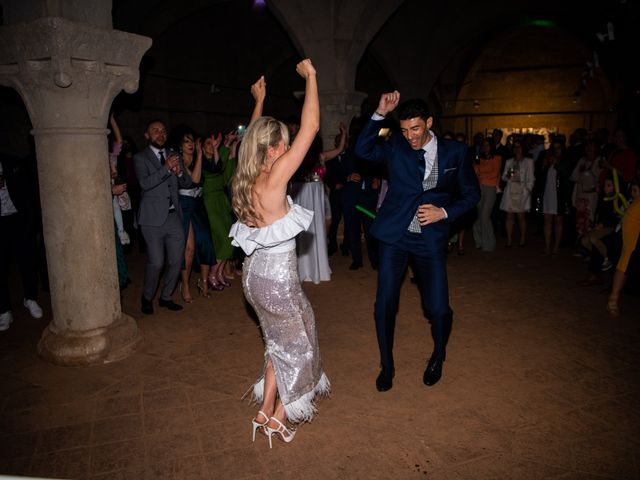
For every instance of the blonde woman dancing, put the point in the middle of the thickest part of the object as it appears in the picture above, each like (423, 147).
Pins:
(268, 222)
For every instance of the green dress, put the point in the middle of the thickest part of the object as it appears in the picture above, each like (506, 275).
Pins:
(217, 176)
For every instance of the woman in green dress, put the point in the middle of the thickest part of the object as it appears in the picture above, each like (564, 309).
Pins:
(218, 166)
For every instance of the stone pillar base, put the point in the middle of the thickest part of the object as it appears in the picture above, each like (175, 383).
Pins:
(101, 345)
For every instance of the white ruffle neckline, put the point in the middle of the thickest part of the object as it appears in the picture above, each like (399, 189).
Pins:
(296, 220)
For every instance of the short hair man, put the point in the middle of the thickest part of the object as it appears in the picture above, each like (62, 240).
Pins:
(160, 173)
(431, 183)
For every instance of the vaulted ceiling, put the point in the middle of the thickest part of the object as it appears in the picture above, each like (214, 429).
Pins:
(423, 44)
(206, 53)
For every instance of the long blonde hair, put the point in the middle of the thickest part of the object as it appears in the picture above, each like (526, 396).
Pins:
(261, 134)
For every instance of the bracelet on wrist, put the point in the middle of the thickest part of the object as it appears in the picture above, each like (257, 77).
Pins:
(380, 114)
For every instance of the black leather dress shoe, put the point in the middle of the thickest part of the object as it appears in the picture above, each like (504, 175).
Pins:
(384, 381)
(355, 266)
(146, 306)
(170, 304)
(433, 372)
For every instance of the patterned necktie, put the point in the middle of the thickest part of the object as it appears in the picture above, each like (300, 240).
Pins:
(421, 162)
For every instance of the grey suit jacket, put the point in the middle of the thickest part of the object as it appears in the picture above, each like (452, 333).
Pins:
(159, 187)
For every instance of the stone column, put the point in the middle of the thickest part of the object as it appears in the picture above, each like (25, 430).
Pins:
(68, 74)
(334, 34)
(337, 106)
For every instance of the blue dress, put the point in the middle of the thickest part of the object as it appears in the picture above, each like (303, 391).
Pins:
(195, 213)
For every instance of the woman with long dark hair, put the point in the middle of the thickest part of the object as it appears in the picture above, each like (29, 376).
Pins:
(218, 164)
(199, 245)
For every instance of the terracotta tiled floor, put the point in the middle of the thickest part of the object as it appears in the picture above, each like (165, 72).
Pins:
(539, 383)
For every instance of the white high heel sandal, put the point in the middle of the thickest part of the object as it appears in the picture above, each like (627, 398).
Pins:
(285, 433)
(257, 425)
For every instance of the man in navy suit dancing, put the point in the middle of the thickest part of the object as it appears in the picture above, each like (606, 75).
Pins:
(431, 183)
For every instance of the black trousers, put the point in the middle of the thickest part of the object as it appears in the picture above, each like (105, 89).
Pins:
(17, 241)
(335, 201)
(355, 223)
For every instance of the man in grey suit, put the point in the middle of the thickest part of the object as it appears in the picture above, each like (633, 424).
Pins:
(160, 173)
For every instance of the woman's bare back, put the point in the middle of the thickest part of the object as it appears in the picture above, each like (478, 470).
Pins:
(269, 202)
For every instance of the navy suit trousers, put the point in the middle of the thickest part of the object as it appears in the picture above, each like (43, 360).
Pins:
(428, 260)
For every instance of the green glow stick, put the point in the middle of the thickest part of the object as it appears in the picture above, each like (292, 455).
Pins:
(365, 211)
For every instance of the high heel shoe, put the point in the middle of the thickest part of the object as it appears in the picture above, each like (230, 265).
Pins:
(201, 289)
(222, 281)
(214, 284)
(188, 299)
(285, 433)
(228, 273)
(257, 425)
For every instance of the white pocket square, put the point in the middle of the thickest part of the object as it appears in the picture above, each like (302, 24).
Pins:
(450, 169)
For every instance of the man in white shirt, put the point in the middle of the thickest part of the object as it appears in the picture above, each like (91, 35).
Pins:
(431, 183)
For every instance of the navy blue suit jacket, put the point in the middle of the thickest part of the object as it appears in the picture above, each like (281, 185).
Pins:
(456, 191)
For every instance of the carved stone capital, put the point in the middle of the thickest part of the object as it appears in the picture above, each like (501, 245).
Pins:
(68, 72)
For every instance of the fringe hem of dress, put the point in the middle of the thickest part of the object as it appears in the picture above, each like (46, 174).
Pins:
(301, 410)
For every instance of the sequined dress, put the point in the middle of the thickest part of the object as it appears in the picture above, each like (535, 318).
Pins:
(272, 287)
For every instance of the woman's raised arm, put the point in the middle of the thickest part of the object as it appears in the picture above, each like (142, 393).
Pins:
(284, 168)
(259, 92)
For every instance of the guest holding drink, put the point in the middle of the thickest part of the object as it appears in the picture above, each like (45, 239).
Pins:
(516, 201)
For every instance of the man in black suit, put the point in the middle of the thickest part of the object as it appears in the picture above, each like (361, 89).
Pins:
(335, 180)
(431, 183)
(498, 216)
(160, 172)
(361, 188)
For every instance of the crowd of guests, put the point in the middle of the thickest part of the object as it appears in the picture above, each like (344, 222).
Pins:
(580, 193)
(198, 171)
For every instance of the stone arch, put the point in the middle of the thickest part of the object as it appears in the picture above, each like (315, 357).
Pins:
(315, 25)
(204, 61)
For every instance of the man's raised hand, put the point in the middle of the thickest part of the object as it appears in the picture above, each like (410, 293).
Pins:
(388, 102)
